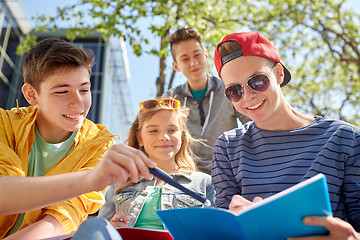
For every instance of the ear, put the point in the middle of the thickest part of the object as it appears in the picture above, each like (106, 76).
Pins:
(206, 53)
(29, 93)
(139, 139)
(279, 73)
(175, 66)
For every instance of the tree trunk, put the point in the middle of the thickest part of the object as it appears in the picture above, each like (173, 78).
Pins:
(172, 78)
(160, 81)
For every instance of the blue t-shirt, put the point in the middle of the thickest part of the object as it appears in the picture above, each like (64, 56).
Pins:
(199, 94)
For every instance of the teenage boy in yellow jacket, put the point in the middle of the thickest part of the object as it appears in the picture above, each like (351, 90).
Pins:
(45, 149)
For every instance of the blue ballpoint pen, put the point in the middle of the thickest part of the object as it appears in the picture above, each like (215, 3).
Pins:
(166, 178)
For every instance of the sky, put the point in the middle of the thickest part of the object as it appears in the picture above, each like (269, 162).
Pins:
(144, 69)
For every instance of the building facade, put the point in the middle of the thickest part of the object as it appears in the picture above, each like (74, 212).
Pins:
(110, 78)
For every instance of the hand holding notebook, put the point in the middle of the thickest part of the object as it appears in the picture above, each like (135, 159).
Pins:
(275, 218)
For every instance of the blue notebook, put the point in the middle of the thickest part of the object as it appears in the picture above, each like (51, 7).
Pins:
(275, 218)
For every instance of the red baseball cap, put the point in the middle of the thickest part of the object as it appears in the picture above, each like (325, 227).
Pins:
(252, 44)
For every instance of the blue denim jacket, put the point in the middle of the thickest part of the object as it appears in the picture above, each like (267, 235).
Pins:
(131, 200)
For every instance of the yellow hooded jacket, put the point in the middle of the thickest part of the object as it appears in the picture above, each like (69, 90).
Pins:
(16, 138)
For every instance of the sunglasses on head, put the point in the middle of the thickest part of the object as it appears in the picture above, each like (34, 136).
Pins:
(259, 83)
(153, 103)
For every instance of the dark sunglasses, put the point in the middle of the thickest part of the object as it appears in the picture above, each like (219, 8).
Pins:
(153, 103)
(259, 83)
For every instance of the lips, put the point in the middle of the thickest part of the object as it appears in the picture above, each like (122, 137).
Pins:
(256, 105)
(164, 146)
(73, 116)
(196, 70)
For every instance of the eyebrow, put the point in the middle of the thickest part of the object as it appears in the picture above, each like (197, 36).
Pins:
(67, 85)
(185, 55)
(247, 79)
(149, 126)
(157, 125)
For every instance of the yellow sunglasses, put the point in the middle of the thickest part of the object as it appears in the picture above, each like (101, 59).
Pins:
(153, 103)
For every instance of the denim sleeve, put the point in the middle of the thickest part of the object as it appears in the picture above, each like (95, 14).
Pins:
(210, 194)
(107, 211)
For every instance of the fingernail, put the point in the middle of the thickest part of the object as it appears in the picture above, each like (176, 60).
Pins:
(307, 220)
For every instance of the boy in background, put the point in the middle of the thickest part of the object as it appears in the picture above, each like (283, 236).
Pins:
(47, 148)
(210, 112)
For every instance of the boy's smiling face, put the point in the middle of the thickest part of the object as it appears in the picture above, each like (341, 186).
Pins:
(261, 107)
(191, 60)
(63, 100)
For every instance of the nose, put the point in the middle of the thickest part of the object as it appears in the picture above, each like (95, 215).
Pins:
(248, 93)
(76, 100)
(164, 136)
(193, 62)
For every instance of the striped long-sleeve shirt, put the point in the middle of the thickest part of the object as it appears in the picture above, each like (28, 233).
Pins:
(253, 162)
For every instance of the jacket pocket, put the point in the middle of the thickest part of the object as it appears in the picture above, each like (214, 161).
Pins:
(123, 201)
(185, 201)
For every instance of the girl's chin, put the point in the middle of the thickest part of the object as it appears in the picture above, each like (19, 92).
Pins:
(163, 158)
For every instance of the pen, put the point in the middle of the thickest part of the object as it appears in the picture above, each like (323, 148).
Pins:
(122, 220)
(166, 178)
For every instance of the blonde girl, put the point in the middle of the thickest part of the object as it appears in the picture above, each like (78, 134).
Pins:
(160, 131)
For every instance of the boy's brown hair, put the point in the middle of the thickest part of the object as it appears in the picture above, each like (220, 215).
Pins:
(228, 47)
(54, 54)
(183, 34)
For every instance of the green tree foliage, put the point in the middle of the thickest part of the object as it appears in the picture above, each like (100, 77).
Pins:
(318, 40)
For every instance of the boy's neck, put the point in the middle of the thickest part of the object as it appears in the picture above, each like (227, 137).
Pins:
(52, 137)
(199, 84)
(286, 118)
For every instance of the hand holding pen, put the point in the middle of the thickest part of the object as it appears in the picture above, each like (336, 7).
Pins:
(120, 220)
(166, 178)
